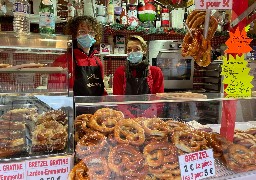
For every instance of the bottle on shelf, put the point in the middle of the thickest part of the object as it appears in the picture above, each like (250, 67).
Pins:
(158, 17)
(31, 6)
(110, 12)
(79, 8)
(165, 17)
(123, 16)
(21, 23)
(71, 11)
(46, 17)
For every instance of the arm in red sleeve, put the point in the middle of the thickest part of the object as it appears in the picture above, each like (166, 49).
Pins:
(102, 72)
(58, 80)
(158, 80)
(118, 81)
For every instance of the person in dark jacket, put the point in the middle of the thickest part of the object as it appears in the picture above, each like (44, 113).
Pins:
(137, 76)
(86, 69)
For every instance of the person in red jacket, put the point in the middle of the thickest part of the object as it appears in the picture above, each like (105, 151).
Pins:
(86, 69)
(137, 76)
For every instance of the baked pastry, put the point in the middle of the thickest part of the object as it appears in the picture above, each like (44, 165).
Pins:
(10, 125)
(10, 147)
(5, 65)
(49, 136)
(53, 115)
(12, 134)
(21, 114)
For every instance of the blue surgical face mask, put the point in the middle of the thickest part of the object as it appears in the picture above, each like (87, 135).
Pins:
(135, 57)
(86, 41)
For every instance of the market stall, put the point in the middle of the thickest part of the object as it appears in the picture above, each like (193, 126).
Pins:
(206, 133)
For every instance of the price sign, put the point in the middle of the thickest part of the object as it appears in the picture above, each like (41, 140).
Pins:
(12, 170)
(197, 165)
(56, 168)
(213, 4)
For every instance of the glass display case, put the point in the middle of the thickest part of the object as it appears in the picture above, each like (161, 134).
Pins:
(36, 114)
(164, 136)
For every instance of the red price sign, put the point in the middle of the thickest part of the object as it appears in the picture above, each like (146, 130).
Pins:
(197, 165)
(213, 4)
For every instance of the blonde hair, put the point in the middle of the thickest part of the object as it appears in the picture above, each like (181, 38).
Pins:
(141, 40)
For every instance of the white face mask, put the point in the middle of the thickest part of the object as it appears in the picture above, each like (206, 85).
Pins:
(135, 57)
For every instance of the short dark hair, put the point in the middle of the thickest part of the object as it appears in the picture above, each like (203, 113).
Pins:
(71, 27)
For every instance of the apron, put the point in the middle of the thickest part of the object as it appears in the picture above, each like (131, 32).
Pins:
(137, 86)
(88, 80)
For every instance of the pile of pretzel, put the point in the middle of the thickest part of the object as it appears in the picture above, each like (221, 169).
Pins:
(112, 147)
(194, 43)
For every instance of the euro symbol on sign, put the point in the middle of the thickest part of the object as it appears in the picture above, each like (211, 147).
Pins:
(225, 3)
(191, 167)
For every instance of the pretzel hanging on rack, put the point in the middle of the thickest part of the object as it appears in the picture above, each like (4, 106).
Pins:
(195, 44)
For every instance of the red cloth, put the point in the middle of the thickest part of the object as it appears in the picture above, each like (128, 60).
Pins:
(83, 59)
(155, 80)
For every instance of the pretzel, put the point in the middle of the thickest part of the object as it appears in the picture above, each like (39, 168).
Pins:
(239, 158)
(166, 171)
(81, 125)
(125, 160)
(173, 126)
(155, 127)
(193, 16)
(79, 172)
(198, 46)
(92, 143)
(218, 143)
(97, 167)
(244, 139)
(104, 120)
(251, 131)
(129, 132)
(159, 153)
(188, 141)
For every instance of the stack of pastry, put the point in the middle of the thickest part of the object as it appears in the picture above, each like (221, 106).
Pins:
(194, 42)
(13, 132)
(50, 133)
(112, 147)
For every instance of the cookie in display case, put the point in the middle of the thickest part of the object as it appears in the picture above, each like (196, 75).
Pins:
(37, 125)
(139, 137)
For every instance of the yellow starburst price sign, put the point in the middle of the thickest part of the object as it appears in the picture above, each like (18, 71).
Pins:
(237, 77)
(235, 69)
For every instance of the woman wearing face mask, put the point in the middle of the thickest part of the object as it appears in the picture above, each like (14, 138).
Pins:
(137, 76)
(86, 69)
